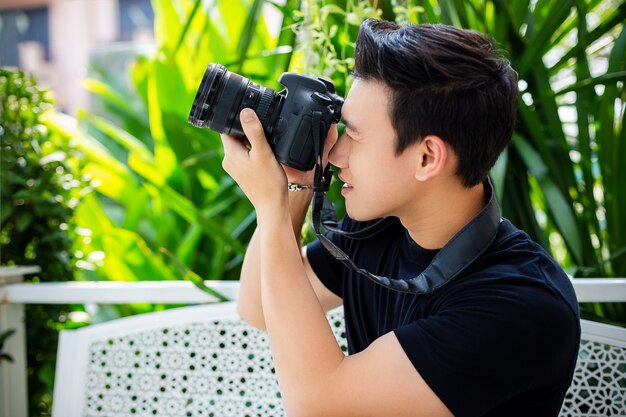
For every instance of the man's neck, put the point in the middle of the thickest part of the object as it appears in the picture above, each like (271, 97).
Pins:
(441, 213)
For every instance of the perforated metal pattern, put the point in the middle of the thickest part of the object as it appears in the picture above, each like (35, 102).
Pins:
(224, 368)
(599, 386)
(221, 369)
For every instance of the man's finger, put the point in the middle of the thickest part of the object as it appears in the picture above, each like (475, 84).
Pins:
(233, 147)
(331, 137)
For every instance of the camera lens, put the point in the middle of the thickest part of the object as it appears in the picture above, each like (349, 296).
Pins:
(223, 94)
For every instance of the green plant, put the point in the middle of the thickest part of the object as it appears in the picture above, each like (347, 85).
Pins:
(39, 193)
(3, 337)
(159, 182)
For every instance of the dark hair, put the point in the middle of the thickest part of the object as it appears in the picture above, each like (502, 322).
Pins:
(447, 82)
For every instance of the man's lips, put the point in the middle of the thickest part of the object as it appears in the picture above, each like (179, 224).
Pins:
(346, 185)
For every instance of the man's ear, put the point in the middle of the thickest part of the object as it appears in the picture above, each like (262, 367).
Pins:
(432, 156)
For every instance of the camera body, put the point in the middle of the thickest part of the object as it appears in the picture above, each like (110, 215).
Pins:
(287, 116)
(293, 139)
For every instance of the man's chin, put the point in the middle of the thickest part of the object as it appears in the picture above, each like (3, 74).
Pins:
(360, 215)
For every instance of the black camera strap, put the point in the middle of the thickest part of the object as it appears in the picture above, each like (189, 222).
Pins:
(463, 249)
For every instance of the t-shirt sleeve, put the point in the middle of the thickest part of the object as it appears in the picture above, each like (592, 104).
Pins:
(328, 269)
(470, 353)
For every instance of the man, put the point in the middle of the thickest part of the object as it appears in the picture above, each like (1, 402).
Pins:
(489, 324)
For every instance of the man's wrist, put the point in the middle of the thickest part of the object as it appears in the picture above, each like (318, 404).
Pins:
(299, 203)
(272, 219)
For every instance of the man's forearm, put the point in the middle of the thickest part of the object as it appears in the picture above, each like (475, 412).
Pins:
(304, 349)
(249, 304)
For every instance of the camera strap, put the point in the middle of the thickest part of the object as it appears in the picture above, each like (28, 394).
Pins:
(456, 255)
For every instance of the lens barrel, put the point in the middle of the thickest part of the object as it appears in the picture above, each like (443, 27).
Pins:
(223, 94)
(290, 118)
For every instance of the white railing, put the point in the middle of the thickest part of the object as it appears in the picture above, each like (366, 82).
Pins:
(14, 294)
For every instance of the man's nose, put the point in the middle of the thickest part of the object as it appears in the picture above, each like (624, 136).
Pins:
(338, 155)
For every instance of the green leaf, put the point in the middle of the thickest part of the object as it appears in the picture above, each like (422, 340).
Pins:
(605, 27)
(189, 245)
(608, 78)
(130, 259)
(328, 9)
(134, 145)
(183, 34)
(562, 212)
(193, 277)
(556, 13)
(5, 335)
(23, 222)
(498, 174)
(107, 93)
(167, 24)
(6, 210)
(249, 31)
(6, 357)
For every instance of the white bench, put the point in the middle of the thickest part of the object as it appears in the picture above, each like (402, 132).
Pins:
(204, 361)
(191, 361)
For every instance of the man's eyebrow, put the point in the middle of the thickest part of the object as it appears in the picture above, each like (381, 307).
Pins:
(350, 126)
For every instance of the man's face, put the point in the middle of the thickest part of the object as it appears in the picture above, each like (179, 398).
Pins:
(377, 182)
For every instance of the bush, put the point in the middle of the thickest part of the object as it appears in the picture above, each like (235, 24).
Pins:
(36, 205)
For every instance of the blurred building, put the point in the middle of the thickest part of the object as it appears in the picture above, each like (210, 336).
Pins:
(57, 40)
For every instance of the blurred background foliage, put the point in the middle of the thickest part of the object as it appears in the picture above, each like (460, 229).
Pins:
(160, 183)
(154, 183)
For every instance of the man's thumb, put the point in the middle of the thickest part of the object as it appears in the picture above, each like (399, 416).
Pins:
(247, 115)
(251, 126)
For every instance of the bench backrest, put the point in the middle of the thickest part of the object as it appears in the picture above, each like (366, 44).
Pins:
(204, 361)
(599, 385)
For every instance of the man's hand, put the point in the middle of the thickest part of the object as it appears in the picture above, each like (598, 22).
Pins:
(256, 169)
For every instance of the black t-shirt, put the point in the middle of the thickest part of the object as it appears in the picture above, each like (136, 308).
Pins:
(500, 339)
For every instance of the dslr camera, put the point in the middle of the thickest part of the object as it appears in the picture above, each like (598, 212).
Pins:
(289, 117)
